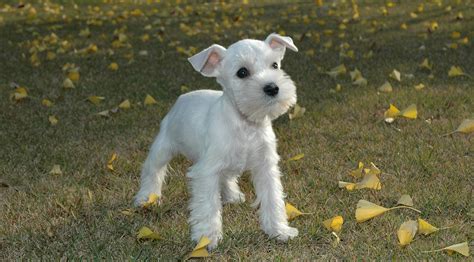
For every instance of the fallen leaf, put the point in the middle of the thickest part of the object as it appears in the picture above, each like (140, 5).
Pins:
(337, 71)
(113, 66)
(386, 87)
(125, 104)
(56, 170)
(147, 233)
(395, 75)
(296, 157)
(73, 75)
(426, 64)
(405, 200)
(152, 200)
(426, 228)
(149, 100)
(456, 71)
(359, 171)
(47, 103)
(95, 99)
(68, 84)
(461, 248)
(367, 210)
(20, 93)
(392, 112)
(334, 224)
(466, 127)
(419, 86)
(298, 112)
(53, 120)
(406, 232)
(105, 113)
(370, 181)
(201, 248)
(111, 161)
(127, 212)
(292, 212)
(410, 112)
(347, 185)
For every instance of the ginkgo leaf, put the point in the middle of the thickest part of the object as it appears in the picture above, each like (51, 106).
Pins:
(370, 181)
(151, 201)
(298, 112)
(455, 71)
(127, 212)
(467, 126)
(367, 210)
(396, 75)
(337, 71)
(147, 233)
(113, 66)
(410, 112)
(359, 171)
(53, 120)
(201, 248)
(360, 82)
(95, 99)
(73, 75)
(68, 84)
(386, 87)
(334, 224)
(111, 161)
(347, 185)
(296, 157)
(56, 170)
(184, 88)
(356, 74)
(426, 64)
(406, 232)
(405, 200)
(105, 113)
(125, 104)
(372, 170)
(46, 102)
(426, 228)
(20, 93)
(149, 100)
(292, 212)
(461, 248)
(419, 86)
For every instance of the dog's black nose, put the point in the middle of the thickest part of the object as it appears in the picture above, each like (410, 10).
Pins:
(271, 89)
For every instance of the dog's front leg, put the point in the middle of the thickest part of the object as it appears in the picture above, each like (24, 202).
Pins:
(205, 204)
(270, 197)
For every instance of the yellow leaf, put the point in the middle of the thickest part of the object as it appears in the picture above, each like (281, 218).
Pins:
(373, 169)
(404, 26)
(201, 248)
(392, 112)
(111, 161)
(337, 71)
(347, 185)
(53, 120)
(386, 87)
(47, 103)
(396, 75)
(467, 126)
(20, 93)
(405, 200)
(370, 181)
(410, 112)
(426, 64)
(360, 82)
(56, 170)
(296, 157)
(152, 200)
(149, 100)
(359, 171)
(366, 210)
(104, 113)
(125, 104)
(184, 89)
(461, 248)
(419, 86)
(73, 76)
(147, 233)
(113, 66)
(455, 71)
(455, 35)
(95, 99)
(426, 228)
(50, 55)
(356, 74)
(433, 26)
(334, 224)
(292, 212)
(406, 232)
(85, 32)
(127, 212)
(68, 84)
(298, 112)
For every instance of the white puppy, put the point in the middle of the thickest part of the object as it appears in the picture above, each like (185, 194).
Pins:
(225, 133)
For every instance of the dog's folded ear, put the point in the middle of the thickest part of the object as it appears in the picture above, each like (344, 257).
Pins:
(276, 41)
(208, 61)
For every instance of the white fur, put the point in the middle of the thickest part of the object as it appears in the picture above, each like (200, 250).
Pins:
(225, 133)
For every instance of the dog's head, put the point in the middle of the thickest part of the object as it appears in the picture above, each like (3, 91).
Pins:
(250, 73)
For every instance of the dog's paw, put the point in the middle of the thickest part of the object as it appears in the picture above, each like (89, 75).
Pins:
(234, 198)
(142, 199)
(286, 233)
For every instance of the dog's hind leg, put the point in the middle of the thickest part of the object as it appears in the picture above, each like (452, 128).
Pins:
(230, 190)
(154, 169)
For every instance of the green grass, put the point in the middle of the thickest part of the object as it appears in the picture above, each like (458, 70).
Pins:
(77, 214)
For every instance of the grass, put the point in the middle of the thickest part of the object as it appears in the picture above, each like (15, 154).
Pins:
(77, 214)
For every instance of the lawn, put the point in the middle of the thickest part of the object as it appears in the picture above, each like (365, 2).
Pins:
(80, 213)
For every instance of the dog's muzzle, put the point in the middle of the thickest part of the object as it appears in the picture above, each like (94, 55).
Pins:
(271, 89)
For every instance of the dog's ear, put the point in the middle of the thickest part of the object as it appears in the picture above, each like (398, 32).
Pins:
(208, 61)
(276, 41)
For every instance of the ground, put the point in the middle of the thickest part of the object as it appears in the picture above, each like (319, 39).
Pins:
(79, 212)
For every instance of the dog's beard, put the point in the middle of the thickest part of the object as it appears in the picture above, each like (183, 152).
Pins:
(256, 106)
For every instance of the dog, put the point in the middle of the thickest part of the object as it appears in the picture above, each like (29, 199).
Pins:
(225, 133)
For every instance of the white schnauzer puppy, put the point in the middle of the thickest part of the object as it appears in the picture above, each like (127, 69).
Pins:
(225, 133)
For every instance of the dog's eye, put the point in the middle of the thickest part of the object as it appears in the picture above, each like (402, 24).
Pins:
(243, 73)
(275, 65)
